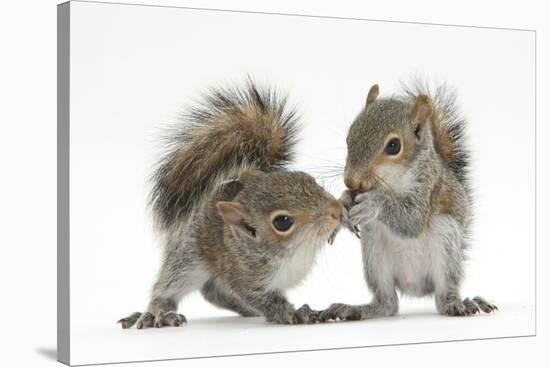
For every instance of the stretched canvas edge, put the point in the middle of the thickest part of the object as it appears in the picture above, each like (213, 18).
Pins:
(63, 137)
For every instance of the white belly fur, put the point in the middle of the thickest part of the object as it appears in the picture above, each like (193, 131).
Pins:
(414, 265)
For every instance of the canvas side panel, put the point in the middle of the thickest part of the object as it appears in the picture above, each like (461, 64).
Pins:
(63, 111)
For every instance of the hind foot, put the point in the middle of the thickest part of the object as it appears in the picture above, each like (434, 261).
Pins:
(467, 307)
(147, 320)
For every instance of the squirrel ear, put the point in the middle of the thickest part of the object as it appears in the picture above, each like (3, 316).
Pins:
(420, 113)
(235, 214)
(373, 94)
(245, 175)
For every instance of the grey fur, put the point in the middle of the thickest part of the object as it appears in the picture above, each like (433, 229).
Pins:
(242, 264)
(232, 105)
(219, 295)
(421, 209)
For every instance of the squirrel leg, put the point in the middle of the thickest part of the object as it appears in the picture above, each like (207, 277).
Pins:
(218, 295)
(379, 276)
(448, 275)
(273, 305)
(380, 280)
(168, 290)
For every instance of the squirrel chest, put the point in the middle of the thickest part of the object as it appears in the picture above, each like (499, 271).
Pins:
(291, 270)
(416, 266)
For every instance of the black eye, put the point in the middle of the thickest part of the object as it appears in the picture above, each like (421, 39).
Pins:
(283, 223)
(393, 147)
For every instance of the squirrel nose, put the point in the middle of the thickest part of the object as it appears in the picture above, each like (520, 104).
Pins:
(335, 210)
(355, 185)
(352, 183)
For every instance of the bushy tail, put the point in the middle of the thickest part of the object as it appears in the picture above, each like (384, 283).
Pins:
(231, 130)
(450, 140)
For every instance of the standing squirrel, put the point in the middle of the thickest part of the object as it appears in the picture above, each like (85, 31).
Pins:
(241, 241)
(409, 194)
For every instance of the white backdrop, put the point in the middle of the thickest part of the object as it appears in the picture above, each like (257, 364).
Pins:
(132, 69)
(28, 140)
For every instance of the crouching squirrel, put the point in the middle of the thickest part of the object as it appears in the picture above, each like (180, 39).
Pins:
(236, 224)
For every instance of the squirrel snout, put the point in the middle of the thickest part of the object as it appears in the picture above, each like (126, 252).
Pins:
(335, 210)
(351, 183)
(354, 184)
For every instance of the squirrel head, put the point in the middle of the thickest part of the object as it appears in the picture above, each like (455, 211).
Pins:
(384, 140)
(281, 208)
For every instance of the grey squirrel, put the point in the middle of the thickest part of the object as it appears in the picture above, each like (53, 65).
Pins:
(241, 241)
(408, 191)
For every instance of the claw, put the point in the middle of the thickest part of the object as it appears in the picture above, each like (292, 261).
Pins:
(332, 237)
(356, 232)
(128, 322)
(484, 305)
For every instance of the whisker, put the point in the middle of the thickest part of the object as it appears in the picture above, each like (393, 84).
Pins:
(336, 172)
(324, 160)
(326, 174)
(325, 170)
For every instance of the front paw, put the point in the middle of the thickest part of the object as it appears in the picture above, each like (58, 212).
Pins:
(286, 316)
(366, 208)
(289, 316)
(282, 315)
(340, 311)
(346, 200)
(346, 223)
(306, 315)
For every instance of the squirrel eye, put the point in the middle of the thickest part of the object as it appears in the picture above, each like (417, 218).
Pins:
(283, 223)
(393, 147)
